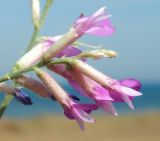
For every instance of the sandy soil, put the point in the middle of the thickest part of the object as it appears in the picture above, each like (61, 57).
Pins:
(142, 127)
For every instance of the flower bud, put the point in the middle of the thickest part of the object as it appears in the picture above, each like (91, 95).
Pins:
(36, 12)
(34, 85)
(17, 93)
(22, 97)
(98, 54)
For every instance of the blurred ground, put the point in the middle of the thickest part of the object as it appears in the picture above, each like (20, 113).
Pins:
(144, 127)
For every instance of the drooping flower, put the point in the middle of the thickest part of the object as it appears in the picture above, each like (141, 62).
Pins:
(33, 85)
(102, 95)
(73, 110)
(22, 97)
(102, 79)
(34, 56)
(130, 83)
(17, 93)
(80, 113)
(93, 90)
(96, 24)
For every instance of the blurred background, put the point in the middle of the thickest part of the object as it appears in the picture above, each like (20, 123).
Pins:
(136, 40)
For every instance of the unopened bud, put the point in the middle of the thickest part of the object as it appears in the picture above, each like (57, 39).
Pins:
(34, 85)
(17, 93)
(56, 90)
(98, 54)
(34, 55)
(36, 12)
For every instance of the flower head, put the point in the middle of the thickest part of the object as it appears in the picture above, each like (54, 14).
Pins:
(96, 24)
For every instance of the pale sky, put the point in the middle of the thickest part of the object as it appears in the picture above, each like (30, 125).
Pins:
(137, 36)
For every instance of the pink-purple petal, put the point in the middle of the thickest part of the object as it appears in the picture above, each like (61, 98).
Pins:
(127, 91)
(82, 115)
(131, 83)
(97, 24)
(69, 51)
(107, 106)
(101, 93)
(127, 100)
(100, 31)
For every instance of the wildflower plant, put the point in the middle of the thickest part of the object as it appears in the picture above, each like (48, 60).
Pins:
(61, 55)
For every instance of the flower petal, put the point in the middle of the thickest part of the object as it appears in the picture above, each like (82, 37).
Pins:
(107, 106)
(126, 90)
(127, 100)
(131, 83)
(22, 97)
(69, 51)
(82, 115)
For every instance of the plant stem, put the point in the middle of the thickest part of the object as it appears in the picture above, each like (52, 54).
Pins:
(17, 73)
(4, 104)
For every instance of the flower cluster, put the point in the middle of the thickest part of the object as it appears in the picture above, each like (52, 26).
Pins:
(70, 62)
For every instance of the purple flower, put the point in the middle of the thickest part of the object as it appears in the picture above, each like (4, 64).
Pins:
(94, 91)
(108, 83)
(73, 110)
(122, 97)
(17, 93)
(22, 97)
(97, 24)
(88, 88)
(103, 95)
(34, 85)
(35, 55)
(80, 113)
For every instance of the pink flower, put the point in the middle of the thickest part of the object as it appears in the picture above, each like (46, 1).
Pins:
(17, 93)
(93, 90)
(79, 112)
(73, 110)
(35, 55)
(103, 95)
(97, 24)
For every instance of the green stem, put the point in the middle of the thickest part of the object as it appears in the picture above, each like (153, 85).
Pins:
(14, 74)
(45, 11)
(4, 104)
(17, 73)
